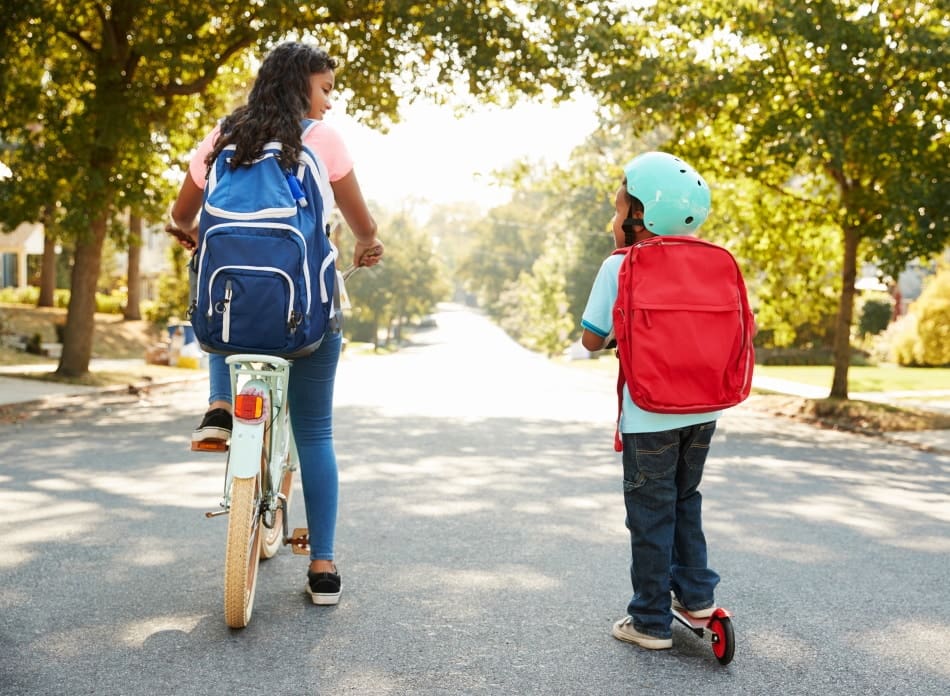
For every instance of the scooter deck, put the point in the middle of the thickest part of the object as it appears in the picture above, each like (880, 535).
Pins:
(691, 621)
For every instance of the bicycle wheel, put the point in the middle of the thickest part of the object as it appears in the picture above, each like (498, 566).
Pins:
(274, 537)
(242, 553)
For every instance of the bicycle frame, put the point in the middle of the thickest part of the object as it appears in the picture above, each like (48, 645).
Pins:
(259, 474)
(261, 438)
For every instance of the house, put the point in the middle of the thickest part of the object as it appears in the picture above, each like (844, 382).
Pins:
(14, 248)
(27, 240)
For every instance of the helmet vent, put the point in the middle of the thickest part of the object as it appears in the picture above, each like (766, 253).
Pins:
(688, 220)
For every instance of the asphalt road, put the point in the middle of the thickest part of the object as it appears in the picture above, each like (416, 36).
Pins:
(481, 542)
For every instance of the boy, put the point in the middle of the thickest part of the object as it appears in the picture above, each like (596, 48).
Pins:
(663, 454)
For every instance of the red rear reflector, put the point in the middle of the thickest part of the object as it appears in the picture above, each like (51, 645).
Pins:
(249, 406)
(209, 446)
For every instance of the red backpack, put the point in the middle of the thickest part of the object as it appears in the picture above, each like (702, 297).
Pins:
(683, 326)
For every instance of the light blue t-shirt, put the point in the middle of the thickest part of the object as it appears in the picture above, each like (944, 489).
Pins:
(598, 319)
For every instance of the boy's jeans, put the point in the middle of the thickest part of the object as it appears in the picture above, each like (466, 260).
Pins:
(661, 476)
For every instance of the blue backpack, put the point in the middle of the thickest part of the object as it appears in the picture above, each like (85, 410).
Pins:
(265, 265)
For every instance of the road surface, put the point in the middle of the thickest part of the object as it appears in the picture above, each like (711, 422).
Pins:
(481, 541)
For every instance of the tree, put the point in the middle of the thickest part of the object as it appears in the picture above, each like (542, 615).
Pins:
(110, 103)
(407, 285)
(507, 242)
(133, 282)
(838, 106)
(535, 308)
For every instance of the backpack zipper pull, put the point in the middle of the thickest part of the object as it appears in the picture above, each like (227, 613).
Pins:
(295, 189)
(226, 319)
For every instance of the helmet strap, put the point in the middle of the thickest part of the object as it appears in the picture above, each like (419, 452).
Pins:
(627, 226)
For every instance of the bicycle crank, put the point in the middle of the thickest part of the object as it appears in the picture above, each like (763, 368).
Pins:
(300, 541)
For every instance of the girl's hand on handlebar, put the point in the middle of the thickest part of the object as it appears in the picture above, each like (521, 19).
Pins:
(185, 239)
(368, 254)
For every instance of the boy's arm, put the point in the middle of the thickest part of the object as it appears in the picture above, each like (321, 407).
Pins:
(592, 341)
(597, 319)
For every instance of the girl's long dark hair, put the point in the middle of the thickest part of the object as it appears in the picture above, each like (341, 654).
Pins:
(279, 99)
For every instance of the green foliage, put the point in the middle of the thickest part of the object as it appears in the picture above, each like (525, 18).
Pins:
(31, 294)
(835, 105)
(106, 303)
(404, 287)
(174, 295)
(534, 310)
(924, 339)
(120, 92)
(875, 314)
(507, 242)
(789, 261)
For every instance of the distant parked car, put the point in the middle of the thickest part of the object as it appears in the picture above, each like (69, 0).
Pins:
(428, 322)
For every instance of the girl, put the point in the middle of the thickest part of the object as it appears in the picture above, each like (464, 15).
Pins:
(294, 82)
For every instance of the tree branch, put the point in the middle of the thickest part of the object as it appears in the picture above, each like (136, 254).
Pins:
(199, 85)
(77, 37)
(788, 194)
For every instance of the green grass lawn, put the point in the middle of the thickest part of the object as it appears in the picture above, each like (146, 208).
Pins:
(860, 378)
(864, 379)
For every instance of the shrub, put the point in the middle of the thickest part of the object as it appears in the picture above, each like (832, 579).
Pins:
(28, 295)
(875, 316)
(924, 338)
(110, 304)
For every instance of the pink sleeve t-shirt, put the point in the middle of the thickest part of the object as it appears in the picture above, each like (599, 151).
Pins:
(322, 139)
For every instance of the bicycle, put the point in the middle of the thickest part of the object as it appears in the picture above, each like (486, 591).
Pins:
(259, 476)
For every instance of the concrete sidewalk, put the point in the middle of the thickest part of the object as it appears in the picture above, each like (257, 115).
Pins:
(19, 390)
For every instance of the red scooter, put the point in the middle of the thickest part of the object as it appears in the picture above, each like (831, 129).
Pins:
(717, 629)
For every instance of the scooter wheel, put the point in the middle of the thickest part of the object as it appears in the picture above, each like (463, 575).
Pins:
(723, 639)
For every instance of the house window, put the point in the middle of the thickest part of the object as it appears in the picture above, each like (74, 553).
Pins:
(8, 269)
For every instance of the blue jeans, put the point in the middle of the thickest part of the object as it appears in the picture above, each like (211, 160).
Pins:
(311, 414)
(661, 476)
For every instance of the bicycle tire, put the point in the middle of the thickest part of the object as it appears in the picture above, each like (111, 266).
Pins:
(273, 539)
(242, 552)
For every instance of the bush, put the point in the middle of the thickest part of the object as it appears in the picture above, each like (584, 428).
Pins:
(113, 303)
(110, 304)
(875, 316)
(174, 296)
(28, 295)
(924, 338)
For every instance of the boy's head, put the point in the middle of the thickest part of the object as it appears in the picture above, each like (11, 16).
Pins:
(660, 195)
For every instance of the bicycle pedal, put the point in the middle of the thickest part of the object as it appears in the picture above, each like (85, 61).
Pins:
(209, 446)
(300, 541)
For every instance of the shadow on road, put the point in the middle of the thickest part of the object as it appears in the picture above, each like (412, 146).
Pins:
(480, 555)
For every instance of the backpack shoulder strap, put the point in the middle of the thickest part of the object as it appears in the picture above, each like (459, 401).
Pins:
(618, 441)
(307, 125)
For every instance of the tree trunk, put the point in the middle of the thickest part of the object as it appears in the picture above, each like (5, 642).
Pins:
(842, 347)
(48, 271)
(133, 283)
(81, 315)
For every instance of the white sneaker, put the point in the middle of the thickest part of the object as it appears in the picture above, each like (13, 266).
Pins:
(697, 613)
(624, 630)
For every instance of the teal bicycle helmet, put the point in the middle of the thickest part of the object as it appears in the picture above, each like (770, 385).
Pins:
(675, 198)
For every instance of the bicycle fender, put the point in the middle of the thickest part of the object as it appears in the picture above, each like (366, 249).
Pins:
(247, 443)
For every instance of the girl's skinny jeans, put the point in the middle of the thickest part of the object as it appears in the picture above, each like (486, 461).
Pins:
(311, 414)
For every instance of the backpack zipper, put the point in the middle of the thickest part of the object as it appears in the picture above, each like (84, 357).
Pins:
(227, 290)
(226, 318)
(306, 255)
